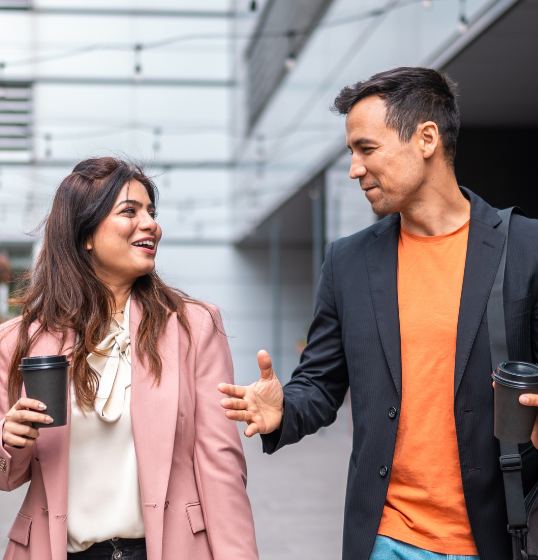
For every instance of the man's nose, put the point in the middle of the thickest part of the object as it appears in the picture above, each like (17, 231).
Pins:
(357, 171)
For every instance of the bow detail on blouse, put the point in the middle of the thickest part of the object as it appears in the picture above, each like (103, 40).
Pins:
(113, 369)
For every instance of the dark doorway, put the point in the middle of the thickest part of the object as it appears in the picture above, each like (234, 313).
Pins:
(500, 165)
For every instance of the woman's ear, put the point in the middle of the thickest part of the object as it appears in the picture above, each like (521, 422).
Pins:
(89, 244)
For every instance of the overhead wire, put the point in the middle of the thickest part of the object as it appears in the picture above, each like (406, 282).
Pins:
(291, 129)
(144, 46)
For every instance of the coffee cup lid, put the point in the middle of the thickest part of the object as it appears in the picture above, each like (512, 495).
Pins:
(519, 375)
(44, 362)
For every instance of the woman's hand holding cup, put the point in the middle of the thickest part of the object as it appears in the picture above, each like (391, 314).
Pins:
(18, 430)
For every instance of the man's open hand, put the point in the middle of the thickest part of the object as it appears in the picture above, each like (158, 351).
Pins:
(259, 404)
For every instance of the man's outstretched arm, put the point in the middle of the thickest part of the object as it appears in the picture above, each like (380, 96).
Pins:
(317, 388)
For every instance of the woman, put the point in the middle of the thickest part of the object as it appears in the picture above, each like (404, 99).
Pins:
(147, 466)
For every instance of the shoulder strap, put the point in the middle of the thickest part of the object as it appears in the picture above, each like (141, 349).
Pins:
(495, 310)
(510, 459)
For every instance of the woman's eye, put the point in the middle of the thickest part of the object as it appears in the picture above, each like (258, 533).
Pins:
(153, 215)
(130, 211)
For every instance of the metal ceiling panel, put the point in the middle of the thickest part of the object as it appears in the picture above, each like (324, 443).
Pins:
(282, 32)
(15, 4)
(15, 114)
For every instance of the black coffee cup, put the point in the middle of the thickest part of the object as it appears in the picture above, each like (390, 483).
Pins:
(513, 420)
(46, 379)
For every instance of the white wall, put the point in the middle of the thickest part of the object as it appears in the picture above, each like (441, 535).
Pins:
(347, 209)
(238, 281)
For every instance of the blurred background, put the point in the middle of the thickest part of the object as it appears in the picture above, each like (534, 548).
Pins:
(226, 102)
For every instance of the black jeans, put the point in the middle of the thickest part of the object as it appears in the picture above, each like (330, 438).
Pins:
(114, 549)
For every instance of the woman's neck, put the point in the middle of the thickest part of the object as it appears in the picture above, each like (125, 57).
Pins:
(121, 295)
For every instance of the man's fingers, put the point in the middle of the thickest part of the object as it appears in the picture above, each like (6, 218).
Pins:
(234, 404)
(265, 365)
(529, 400)
(24, 403)
(239, 415)
(232, 390)
(251, 430)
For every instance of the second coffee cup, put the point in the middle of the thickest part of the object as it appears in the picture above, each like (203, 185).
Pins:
(46, 379)
(514, 421)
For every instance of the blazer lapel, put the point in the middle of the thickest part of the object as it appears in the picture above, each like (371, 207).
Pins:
(484, 249)
(154, 415)
(382, 259)
(52, 450)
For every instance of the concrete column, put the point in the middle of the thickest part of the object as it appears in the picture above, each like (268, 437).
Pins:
(276, 293)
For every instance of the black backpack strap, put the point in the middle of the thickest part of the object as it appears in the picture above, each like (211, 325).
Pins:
(510, 460)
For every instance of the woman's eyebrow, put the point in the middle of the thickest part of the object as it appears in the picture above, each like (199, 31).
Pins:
(134, 202)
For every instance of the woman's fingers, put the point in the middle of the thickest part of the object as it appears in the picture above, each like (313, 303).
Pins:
(20, 416)
(18, 430)
(33, 404)
(234, 404)
(23, 430)
(17, 441)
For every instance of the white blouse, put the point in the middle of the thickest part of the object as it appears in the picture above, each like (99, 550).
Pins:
(104, 493)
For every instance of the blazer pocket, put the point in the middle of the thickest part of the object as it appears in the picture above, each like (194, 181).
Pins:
(517, 307)
(196, 517)
(20, 531)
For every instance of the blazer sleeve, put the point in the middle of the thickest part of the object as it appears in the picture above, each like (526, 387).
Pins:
(219, 461)
(320, 382)
(15, 463)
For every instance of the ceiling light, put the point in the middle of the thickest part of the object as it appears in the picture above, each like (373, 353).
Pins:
(138, 63)
(290, 62)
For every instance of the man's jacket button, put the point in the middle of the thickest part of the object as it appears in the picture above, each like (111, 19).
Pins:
(392, 412)
(383, 471)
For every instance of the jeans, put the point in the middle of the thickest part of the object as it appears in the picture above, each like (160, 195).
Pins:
(114, 549)
(386, 548)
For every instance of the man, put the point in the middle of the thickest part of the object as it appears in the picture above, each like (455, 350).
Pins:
(400, 319)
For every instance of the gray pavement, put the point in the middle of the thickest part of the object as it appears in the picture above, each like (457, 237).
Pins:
(10, 502)
(297, 495)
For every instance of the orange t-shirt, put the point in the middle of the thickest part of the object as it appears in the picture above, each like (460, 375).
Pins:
(425, 506)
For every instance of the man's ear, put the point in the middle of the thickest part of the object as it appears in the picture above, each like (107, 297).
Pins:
(429, 138)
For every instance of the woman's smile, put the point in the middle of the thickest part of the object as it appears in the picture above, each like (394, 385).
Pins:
(146, 244)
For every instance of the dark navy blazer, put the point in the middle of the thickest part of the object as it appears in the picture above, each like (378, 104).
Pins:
(354, 342)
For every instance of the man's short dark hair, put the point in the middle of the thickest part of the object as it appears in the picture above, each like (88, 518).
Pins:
(412, 96)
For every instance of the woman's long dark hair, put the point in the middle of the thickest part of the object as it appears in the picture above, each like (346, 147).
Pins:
(65, 294)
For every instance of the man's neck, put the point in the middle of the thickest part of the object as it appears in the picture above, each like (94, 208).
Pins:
(438, 209)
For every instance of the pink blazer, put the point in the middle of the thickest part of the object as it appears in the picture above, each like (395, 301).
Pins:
(190, 459)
